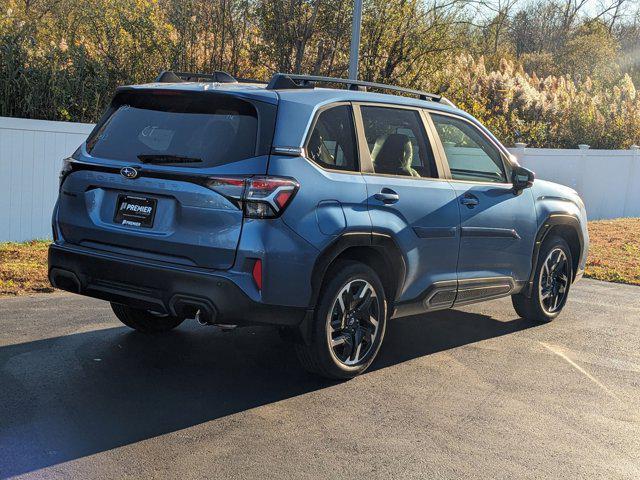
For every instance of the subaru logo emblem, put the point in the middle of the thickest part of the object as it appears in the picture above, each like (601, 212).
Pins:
(129, 172)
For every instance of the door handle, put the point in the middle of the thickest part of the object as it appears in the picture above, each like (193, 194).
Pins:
(387, 196)
(469, 200)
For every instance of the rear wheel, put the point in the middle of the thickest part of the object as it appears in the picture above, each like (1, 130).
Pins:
(144, 320)
(551, 283)
(349, 323)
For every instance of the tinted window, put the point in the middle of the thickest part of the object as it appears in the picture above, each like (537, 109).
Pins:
(397, 142)
(332, 143)
(192, 130)
(470, 155)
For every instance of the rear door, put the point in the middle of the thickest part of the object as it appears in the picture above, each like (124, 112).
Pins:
(498, 226)
(408, 199)
(161, 176)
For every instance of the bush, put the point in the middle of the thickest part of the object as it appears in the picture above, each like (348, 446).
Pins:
(552, 112)
(63, 60)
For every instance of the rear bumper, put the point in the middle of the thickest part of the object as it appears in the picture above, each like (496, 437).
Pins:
(158, 287)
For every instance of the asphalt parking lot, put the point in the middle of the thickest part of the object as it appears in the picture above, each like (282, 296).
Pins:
(471, 393)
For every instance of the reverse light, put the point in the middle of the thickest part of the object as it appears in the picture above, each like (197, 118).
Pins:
(260, 196)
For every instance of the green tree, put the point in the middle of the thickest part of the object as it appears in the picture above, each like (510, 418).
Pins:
(589, 51)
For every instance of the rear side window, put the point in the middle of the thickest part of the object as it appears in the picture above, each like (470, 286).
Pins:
(178, 128)
(470, 155)
(397, 142)
(332, 143)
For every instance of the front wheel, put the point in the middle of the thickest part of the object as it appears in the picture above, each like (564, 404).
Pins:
(145, 321)
(551, 283)
(349, 323)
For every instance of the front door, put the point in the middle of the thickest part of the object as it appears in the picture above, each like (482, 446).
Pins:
(408, 199)
(497, 226)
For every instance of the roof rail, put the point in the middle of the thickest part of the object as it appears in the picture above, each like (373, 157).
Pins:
(286, 81)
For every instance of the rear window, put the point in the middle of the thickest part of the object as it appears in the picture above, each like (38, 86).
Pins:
(180, 128)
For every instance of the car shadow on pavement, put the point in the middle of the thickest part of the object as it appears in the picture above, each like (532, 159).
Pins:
(71, 396)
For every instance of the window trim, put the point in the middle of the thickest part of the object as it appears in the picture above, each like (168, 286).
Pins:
(365, 155)
(312, 126)
(506, 162)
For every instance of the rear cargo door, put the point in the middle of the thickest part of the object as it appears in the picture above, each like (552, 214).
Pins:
(161, 176)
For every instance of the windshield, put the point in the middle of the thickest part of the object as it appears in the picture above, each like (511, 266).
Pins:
(184, 128)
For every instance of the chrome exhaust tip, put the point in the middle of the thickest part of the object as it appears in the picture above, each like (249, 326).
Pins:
(203, 318)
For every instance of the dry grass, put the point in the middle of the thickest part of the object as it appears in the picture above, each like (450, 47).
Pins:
(614, 256)
(23, 268)
(614, 253)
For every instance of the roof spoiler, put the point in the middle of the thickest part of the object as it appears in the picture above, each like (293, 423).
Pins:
(218, 76)
(168, 76)
(289, 81)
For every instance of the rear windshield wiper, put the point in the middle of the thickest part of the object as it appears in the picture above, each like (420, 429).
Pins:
(168, 159)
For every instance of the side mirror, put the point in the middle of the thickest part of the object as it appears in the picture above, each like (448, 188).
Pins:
(522, 178)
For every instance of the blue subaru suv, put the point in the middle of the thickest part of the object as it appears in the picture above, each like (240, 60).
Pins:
(322, 211)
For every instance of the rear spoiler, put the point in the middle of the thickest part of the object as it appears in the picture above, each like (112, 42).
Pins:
(218, 76)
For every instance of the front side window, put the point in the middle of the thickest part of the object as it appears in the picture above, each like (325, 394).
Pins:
(332, 143)
(470, 155)
(397, 142)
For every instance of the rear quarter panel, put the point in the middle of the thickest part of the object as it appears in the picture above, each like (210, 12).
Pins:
(313, 213)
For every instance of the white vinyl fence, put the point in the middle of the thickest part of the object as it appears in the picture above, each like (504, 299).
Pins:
(31, 153)
(607, 180)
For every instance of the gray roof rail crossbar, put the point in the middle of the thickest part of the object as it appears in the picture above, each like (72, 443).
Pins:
(286, 81)
(168, 76)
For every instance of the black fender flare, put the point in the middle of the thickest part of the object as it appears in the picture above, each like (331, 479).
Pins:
(552, 220)
(384, 243)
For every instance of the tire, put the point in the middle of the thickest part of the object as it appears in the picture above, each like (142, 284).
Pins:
(145, 321)
(551, 284)
(333, 351)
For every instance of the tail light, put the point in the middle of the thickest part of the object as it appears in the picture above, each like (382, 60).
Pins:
(259, 197)
(267, 197)
(231, 188)
(66, 169)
